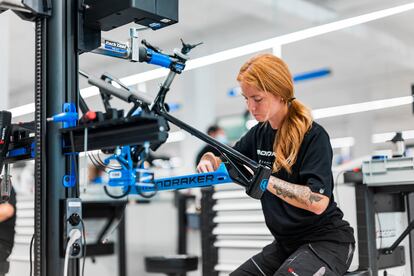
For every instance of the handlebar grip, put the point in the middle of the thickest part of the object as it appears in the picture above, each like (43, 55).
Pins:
(110, 89)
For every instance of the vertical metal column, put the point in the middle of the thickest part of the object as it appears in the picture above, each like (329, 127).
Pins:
(72, 90)
(55, 161)
(368, 253)
(58, 72)
(209, 251)
(122, 256)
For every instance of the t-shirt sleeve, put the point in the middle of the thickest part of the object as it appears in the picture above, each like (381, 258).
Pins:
(246, 145)
(316, 166)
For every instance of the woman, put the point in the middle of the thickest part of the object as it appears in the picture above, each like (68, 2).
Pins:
(311, 238)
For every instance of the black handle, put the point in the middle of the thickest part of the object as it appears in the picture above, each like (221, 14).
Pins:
(5, 131)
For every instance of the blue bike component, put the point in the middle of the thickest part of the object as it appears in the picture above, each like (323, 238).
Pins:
(27, 150)
(159, 59)
(69, 116)
(121, 177)
(69, 181)
(178, 67)
(163, 60)
(263, 184)
(33, 150)
(126, 175)
(220, 176)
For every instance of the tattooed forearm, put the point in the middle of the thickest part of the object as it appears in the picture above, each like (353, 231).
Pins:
(314, 198)
(300, 193)
(284, 192)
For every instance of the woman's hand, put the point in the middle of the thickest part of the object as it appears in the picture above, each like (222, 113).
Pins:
(208, 163)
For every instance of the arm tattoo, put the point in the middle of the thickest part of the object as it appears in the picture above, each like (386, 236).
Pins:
(300, 193)
(314, 198)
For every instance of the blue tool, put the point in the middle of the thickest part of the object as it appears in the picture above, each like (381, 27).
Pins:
(69, 116)
(153, 57)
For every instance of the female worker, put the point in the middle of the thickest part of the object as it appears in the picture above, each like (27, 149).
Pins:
(311, 237)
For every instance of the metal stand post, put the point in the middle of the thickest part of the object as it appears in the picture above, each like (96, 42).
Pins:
(56, 83)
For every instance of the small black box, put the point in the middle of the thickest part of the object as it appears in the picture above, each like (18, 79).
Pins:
(106, 15)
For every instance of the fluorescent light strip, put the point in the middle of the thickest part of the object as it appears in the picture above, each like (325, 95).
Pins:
(352, 108)
(258, 46)
(360, 107)
(382, 137)
(22, 110)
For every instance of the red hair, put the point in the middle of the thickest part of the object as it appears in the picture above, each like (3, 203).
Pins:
(269, 73)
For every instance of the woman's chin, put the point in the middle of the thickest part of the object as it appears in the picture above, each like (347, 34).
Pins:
(259, 119)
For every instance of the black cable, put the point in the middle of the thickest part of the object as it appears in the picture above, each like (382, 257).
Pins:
(117, 196)
(379, 231)
(336, 187)
(84, 246)
(101, 164)
(146, 195)
(102, 167)
(73, 156)
(30, 254)
(94, 162)
(98, 157)
(121, 217)
(98, 165)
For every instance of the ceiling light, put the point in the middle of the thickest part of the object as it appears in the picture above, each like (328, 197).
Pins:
(360, 107)
(22, 110)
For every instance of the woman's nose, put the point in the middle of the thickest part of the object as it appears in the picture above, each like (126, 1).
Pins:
(250, 105)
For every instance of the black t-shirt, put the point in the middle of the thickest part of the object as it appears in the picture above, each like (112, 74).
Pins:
(287, 223)
(7, 226)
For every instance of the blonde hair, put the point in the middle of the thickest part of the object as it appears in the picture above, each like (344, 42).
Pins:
(269, 73)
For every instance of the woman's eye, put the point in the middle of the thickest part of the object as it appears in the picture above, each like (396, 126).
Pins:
(258, 100)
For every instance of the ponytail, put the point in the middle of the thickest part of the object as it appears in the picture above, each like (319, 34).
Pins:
(290, 135)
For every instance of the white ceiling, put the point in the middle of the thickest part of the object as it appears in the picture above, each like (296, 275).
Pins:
(368, 62)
